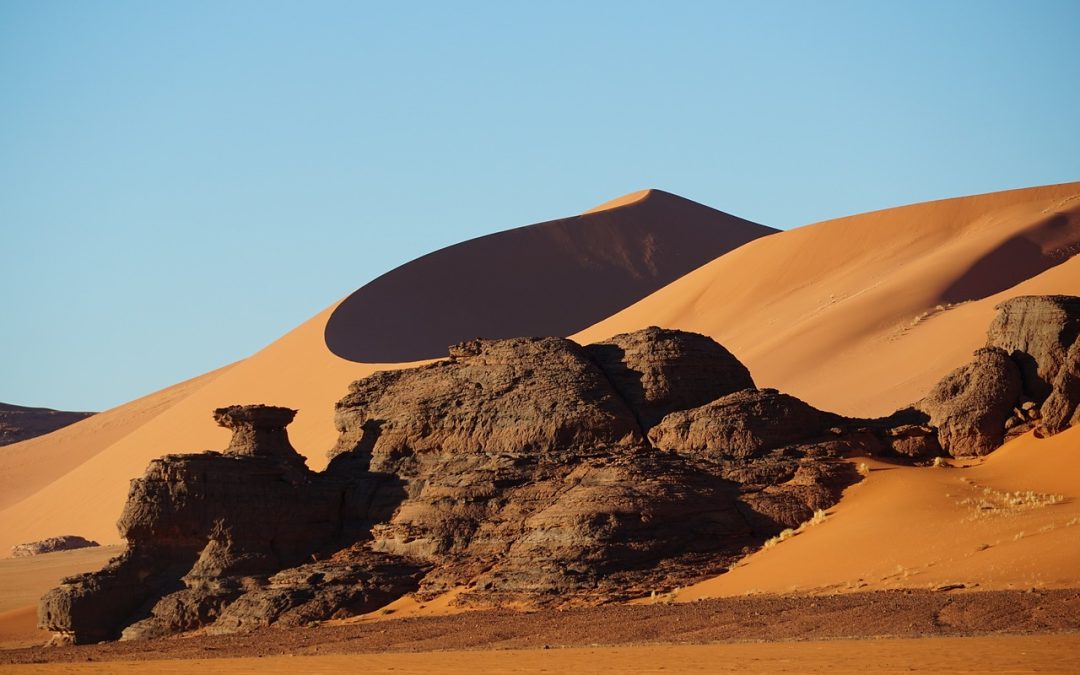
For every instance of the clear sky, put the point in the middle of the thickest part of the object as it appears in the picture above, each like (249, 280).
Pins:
(181, 183)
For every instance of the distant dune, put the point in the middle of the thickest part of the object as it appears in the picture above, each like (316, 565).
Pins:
(18, 423)
(859, 314)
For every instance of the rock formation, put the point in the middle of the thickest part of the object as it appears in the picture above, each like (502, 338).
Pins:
(18, 423)
(67, 542)
(526, 471)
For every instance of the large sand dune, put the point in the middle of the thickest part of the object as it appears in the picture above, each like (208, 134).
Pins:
(585, 267)
(863, 314)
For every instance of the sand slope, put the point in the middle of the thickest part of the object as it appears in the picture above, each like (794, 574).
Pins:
(863, 314)
(617, 255)
(924, 527)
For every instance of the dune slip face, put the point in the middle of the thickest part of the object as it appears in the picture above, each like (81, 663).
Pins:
(533, 472)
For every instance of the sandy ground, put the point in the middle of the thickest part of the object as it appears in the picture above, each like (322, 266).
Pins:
(996, 654)
(912, 527)
(772, 619)
(24, 580)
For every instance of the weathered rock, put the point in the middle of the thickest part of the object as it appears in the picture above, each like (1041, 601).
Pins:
(1061, 409)
(1037, 331)
(65, 543)
(198, 524)
(742, 425)
(529, 470)
(970, 406)
(657, 371)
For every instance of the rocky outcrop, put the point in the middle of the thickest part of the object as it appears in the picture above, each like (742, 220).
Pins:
(18, 423)
(205, 530)
(528, 471)
(67, 542)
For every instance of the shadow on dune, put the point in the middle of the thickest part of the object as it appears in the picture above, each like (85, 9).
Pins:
(1047, 244)
(552, 278)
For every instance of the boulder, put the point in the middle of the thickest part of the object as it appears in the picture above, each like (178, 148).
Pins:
(67, 542)
(742, 425)
(1037, 331)
(657, 371)
(969, 406)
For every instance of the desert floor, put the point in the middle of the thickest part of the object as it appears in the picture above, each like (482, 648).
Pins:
(993, 654)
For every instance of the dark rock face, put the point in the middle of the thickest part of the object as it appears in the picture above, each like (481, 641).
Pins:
(67, 542)
(18, 423)
(528, 470)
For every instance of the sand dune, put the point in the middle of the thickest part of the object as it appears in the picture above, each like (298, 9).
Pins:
(907, 527)
(624, 253)
(28, 466)
(863, 314)
(552, 278)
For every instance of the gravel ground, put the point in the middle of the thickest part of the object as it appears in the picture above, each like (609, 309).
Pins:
(749, 619)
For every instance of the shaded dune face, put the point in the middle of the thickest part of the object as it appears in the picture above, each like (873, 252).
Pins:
(552, 278)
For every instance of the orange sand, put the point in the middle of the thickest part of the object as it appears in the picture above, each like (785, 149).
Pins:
(910, 527)
(845, 313)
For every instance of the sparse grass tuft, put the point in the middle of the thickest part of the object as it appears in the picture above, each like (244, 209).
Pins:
(993, 502)
(819, 517)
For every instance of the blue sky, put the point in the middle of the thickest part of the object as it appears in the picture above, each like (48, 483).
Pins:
(181, 183)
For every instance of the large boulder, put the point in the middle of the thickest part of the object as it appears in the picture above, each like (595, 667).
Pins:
(970, 406)
(742, 425)
(658, 371)
(1037, 331)
(1061, 409)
